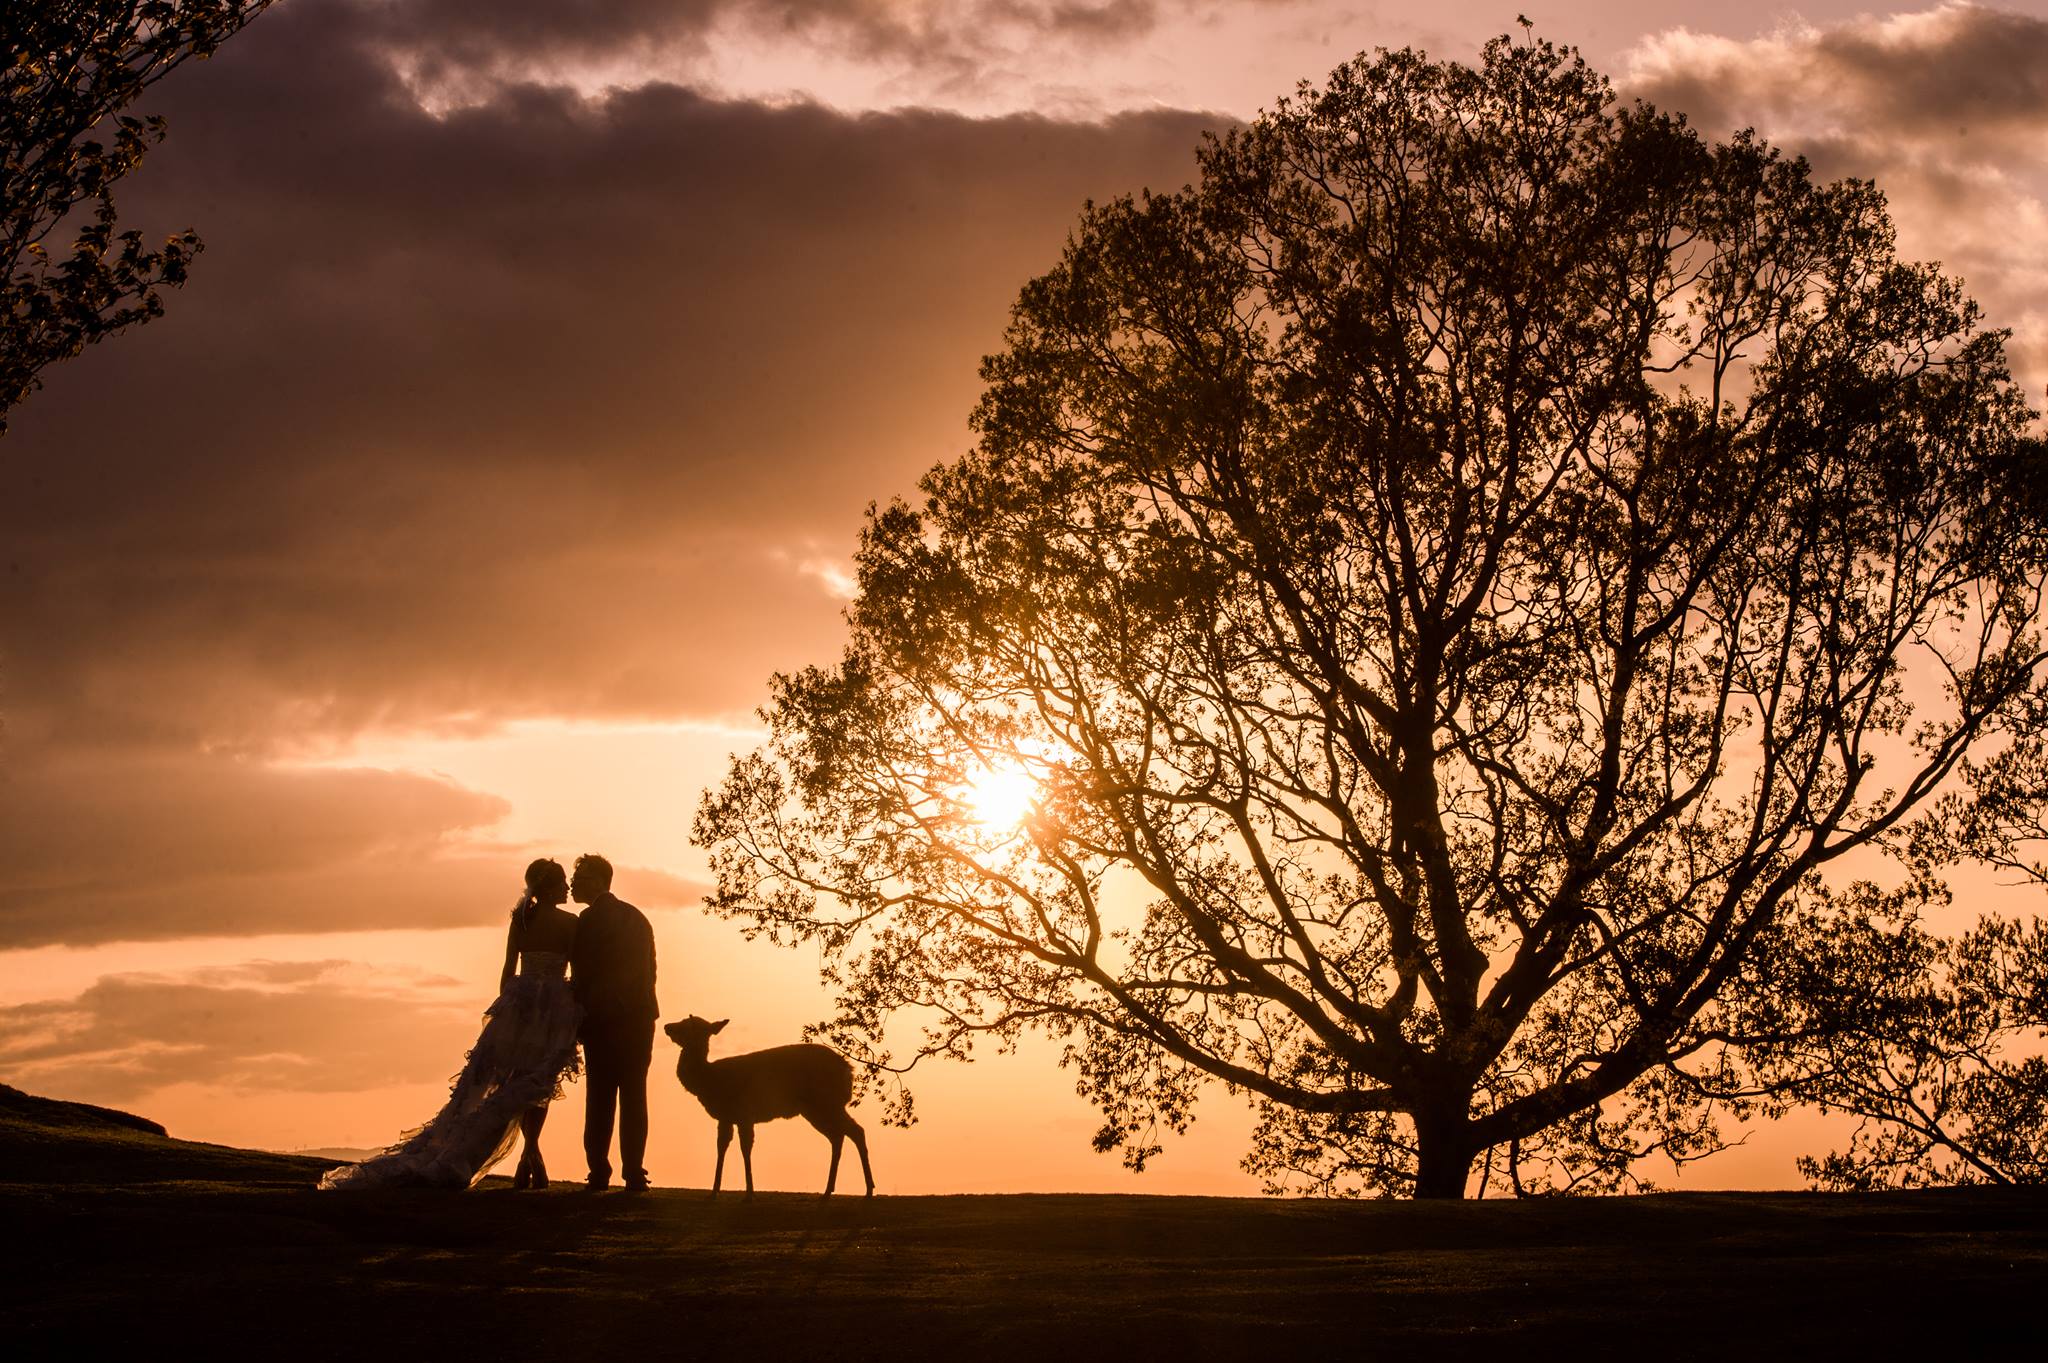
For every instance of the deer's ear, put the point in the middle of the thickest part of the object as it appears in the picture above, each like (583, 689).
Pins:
(719, 1026)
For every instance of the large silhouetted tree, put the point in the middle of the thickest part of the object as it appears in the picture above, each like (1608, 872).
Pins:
(73, 67)
(1452, 579)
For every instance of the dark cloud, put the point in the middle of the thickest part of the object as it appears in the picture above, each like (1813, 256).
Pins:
(1956, 70)
(1946, 109)
(1967, 66)
(485, 31)
(321, 1027)
(531, 409)
(98, 819)
(547, 406)
(451, 890)
(117, 844)
(457, 51)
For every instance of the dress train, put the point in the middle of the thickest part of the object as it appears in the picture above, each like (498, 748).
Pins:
(527, 1047)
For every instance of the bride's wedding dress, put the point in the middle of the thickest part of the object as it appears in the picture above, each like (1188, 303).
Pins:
(527, 1045)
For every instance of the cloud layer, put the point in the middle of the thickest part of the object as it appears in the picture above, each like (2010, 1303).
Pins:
(532, 409)
(300, 1027)
(551, 405)
(1946, 109)
(152, 843)
(456, 52)
(547, 406)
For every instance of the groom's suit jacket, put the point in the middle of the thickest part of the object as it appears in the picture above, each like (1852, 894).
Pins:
(613, 965)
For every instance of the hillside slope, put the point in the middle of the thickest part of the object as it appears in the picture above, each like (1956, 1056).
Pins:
(53, 1143)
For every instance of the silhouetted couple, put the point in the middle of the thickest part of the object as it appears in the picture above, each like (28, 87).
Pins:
(566, 978)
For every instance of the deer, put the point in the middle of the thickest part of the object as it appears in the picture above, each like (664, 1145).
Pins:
(740, 1091)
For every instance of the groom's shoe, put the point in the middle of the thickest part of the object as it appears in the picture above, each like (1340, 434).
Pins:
(637, 1185)
(597, 1183)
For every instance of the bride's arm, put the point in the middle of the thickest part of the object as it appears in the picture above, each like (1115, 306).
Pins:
(511, 950)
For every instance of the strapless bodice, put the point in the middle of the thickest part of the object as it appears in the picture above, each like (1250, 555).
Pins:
(547, 964)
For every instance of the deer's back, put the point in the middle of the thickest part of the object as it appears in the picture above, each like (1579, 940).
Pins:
(782, 1081)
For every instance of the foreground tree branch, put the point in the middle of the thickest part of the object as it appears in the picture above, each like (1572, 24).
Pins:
(73, 67)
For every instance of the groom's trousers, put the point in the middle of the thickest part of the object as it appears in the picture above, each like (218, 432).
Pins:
(615, 1059)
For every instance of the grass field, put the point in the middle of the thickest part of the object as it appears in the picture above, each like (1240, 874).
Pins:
(118, 1236)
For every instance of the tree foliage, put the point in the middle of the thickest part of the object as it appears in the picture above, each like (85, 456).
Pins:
(1934, 1043)
(73, 69)
(1454, 577)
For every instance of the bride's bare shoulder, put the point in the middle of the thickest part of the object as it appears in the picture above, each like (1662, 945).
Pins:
(550, 929)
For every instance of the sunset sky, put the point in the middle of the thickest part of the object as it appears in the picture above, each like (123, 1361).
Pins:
(517, 423)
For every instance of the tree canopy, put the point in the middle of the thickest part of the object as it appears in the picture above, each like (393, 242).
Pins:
(1426, 605)
(73, 68)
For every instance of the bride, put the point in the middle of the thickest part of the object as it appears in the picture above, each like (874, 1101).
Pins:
(527, 1046)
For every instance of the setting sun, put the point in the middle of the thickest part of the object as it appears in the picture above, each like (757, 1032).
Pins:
(1002, 797)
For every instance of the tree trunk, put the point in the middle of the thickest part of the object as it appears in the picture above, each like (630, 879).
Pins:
(1443, 1159)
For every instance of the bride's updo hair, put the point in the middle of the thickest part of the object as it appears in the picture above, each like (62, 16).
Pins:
(542, 873)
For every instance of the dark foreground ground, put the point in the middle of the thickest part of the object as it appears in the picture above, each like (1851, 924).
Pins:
(114, 1236)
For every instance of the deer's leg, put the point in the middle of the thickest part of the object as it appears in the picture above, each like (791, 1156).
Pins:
(724, 1139)
(747, 1153)
(860, 1143)
(828, 1126)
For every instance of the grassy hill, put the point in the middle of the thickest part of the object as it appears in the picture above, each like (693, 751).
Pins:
(118, 1235)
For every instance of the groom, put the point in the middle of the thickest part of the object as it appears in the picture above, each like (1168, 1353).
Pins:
(614, 981)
